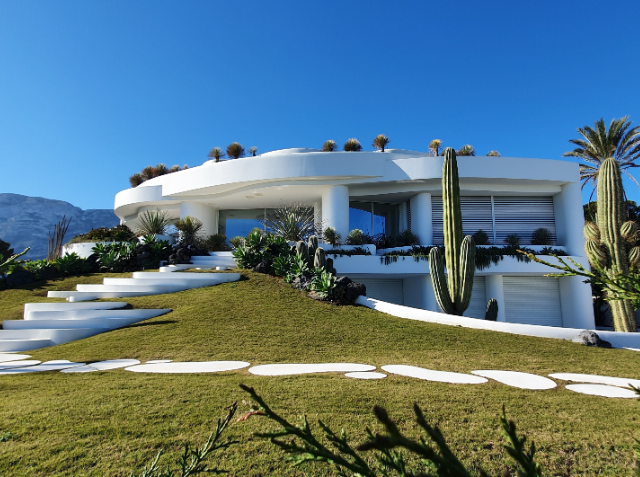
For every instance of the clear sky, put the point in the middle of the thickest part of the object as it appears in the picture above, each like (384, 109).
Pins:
(93, 91)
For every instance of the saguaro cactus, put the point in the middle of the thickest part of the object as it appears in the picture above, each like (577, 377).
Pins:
(608, 243)
(454, 293)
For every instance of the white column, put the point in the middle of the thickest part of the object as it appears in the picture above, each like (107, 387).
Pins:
(569, 214)
(421, 218)
(207, 214)
(402, 219)
(335, 209)
(494, 288)
(576, 303)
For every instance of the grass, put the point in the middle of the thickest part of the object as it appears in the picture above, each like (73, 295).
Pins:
(114, 422)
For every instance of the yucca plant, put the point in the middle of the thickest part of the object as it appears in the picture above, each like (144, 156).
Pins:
(235, 150)
(216, 154)
(293, 222)
(331, 236)
(190, 229)
(151, 222)
(493, 154)
(253, 150)
(466, 150)
(352, 145)
(136, 179)
(434, 147)
(380, 142)
(330, 146)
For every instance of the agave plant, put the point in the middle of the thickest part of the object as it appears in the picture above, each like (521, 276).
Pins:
(151, 223)
(235, 150)
(466, 150)
(329, 146)
(493, 154)
(190, 229)
(293, 222)
(434, 147)
(5, 263)
(253, 150)
(380, 142)
(216, 154)
(352, 145)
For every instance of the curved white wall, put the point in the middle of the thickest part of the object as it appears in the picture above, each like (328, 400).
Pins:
(335, 209)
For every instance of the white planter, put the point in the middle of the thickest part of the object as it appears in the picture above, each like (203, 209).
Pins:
(382, 251)
(369, 246)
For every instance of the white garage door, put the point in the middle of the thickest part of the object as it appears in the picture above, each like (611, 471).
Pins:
(532, 300)
(478, 303)
(384, 289)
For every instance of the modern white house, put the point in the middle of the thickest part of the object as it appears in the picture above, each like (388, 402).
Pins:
(388, 192)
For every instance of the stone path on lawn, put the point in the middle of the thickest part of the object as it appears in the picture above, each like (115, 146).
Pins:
(589, 384)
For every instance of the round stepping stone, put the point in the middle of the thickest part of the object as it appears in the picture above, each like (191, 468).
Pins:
(102, 366)
(158, 361)
(55, 365)
(6, 357)
(19, 364)
(189, 367)
(596, 379)
(366, 375)
(289, 369)
(432, 375)
(602, 390)
(517, 379)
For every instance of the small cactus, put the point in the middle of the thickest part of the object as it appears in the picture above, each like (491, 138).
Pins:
(492, 310)
(596, 254)
(302, 250)
(313, 242)
(629, 231)
(319, 260)
(591, 231)
(329, 266)
(634, 256)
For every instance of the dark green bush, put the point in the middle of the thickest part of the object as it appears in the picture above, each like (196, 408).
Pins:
(119, 233)
(216, 243)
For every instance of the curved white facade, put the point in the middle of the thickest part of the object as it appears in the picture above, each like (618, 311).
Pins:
(501, 193)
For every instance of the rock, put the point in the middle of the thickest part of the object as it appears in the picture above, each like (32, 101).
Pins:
(263, 267)
(315, 296)
(352, 290)
(302, 282)
(591, 338)
(19, 277)
(48, 273)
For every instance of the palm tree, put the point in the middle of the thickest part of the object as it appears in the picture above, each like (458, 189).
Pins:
(434, 147)
(216, 154)
(329, 146)
(235, 150)
(253, 150)
(380, 142)
(619, 142)
(466, 150)
(352, 145)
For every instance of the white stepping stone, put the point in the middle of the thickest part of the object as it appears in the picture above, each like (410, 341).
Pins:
(366, 375)
(596, 379)
(55, 365)
(517, 379)
(158, 361)
(19, 364)
(432, 375)
(189, 367)
(633, 349)
(292, 369)
(5, 357)
(602, 390)
(102, 366)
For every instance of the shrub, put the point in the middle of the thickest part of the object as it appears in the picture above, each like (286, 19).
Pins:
(493, 154)
(119, 233)
(151, 223)
(190, 229)
(466, 150)
(352, 145)
(216, 243)
(358, 237)
(293, 222)
(235, 150)
(237, 241)
(541, 236)
(331, 236)
(329, 146)
(407, 238)
(216, 154)
(150, 172)
(5, 249)
(136, 179)
(481, 237)
(380, 142)
(513, 240)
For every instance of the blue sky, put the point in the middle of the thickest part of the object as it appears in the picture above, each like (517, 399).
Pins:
(91, 92)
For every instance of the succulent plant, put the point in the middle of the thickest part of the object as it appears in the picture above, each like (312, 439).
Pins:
(235, 150)
(352, 145)
(380, 142)
(329, 146)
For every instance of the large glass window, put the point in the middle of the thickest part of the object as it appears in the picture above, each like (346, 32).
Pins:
(373, 218)
(240, 222)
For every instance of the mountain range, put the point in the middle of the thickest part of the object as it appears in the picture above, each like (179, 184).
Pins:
(27, 221)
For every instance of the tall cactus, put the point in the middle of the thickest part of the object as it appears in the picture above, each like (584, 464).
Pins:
(454, 293)
(607, 244)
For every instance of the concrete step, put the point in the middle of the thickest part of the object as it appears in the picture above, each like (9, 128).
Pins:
(56, 336)
(103, 324)
(57, 307)
(182, 275)
(176, 279)
(97, 314)
(155, 289)
(76, 296)
(184, 266)
(24, 344)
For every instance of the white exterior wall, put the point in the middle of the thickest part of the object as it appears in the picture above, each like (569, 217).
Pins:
(335, 209)
(421, 218)
(570, 218)
(208, 215)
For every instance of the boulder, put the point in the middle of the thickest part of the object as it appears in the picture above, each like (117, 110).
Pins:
(19, 277)
(591, 338)
(302, 282)
(263, 267)
(352, 290)
(48, 272)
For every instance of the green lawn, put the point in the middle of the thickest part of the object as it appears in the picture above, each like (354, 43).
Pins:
(110, 423)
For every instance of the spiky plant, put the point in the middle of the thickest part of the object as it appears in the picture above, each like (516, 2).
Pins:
(185, 167)
(6, 262)
(329, 146)
(148, 173)
(235, 150)
(380, 142)
(493, 154)
(136, 179)
(292, 221)
(160, 170)
(253, 150)
(216, 154)
(620, 142)
(174, 168)
(466, 150)
(434, 147)
(190, 229)
(330, 236)
(352, 145)
(151, 222)
(57, 239)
